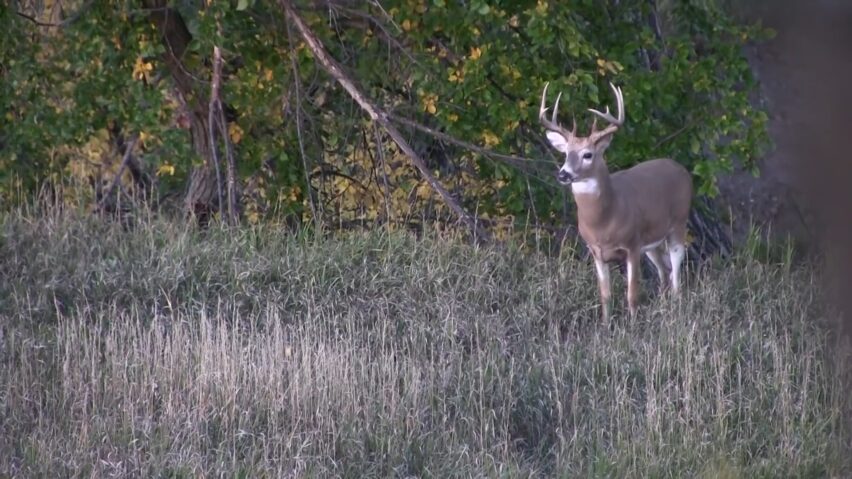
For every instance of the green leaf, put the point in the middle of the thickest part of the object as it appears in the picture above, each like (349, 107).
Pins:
(90, 65)
(694, 146)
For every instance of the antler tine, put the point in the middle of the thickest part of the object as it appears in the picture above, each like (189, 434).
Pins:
(615, 123)
(619, 98)
(551, 124)
(556, 108)
(541, 108)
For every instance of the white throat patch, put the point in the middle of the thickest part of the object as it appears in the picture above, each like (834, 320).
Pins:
(589, 186)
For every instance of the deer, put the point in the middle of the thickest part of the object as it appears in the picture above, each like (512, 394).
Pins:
(623, 215)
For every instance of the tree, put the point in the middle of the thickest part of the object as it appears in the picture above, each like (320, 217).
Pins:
(459, 81)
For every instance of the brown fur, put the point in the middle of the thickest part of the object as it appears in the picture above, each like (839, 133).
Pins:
(643, 209)
(637, 207)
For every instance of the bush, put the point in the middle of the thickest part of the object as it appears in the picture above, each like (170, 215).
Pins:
(472, 70)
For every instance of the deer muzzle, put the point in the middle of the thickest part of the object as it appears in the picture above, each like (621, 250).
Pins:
(565, 177)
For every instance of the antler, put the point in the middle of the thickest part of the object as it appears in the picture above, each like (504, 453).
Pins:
(615, 123)
(552, 124)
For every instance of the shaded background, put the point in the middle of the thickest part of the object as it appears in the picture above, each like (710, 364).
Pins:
(805, 188)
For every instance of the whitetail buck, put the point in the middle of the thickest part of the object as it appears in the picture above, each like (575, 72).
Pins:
(643, 209)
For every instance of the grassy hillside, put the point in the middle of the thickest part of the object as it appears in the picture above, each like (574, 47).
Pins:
(164, 352)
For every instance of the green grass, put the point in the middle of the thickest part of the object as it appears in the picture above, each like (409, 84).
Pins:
(162, 352)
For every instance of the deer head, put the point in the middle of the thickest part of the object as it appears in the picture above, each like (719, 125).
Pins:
(584, 155)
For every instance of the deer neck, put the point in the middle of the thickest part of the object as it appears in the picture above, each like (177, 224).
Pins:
(594, 196)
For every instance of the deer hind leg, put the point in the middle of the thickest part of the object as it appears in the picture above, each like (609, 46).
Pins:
(677, 252)
(661, 264)
(602, 270)
(633, 274)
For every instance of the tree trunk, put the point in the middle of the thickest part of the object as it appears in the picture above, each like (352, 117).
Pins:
(202, 193)
(201, 200)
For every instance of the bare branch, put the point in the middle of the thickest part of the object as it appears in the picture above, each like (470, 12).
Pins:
(380, 152)
(297, 83)
(378, 115)
(230, 162)
(128, 153)
(63, 23)
(36, 21)
(385, 33)
(674, 134)
(211, 130)
(516, 161)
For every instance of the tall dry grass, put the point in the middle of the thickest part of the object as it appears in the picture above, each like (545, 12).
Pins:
(257, 353)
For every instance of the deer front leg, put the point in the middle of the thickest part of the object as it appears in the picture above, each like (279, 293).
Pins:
(677, 252)
(633, 274)
(604, 284)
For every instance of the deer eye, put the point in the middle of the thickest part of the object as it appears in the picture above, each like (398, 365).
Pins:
(587, 155)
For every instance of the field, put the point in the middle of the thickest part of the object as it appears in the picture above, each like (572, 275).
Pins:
(165, 352)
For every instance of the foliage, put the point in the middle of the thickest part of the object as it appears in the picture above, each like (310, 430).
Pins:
(474, 71)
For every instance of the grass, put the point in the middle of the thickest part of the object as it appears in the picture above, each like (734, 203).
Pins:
(163, 352)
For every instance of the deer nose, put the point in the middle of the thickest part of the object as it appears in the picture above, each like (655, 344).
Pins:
(565, 176)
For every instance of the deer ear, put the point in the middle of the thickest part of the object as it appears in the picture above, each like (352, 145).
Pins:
(558, 141)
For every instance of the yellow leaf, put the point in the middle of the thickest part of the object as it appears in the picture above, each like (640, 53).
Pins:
(235, 132)
(424, 191)
(267, 74)
(166, 169)
(490, 138)
(452, 117)
(294, 193)
(141, 69)
(475, 53)
(429, 103)
(407, 25)
(511, 126)
(253, 217)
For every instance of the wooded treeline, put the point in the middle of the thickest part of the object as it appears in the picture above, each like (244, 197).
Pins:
(339, 113)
